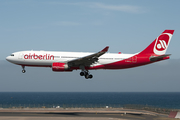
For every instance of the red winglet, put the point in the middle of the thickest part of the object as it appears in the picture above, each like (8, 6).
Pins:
(105, 49)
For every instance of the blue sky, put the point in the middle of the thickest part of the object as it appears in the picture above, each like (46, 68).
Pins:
(126, 26)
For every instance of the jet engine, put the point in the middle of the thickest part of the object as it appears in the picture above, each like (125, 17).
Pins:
(57, 66)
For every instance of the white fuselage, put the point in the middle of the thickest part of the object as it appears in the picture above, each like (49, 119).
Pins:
(46, 58)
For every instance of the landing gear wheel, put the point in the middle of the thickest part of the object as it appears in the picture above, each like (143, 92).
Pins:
(90, 76)
(86, 76)
(82, 74)
(23, 71)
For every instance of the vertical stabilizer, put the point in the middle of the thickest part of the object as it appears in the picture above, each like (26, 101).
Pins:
(160, 44)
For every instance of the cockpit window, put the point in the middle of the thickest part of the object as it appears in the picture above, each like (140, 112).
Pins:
(12, 54)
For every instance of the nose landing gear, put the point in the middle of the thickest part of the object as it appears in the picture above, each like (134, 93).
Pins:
(23, 71)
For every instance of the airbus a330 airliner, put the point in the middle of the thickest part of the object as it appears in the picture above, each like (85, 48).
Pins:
(69, 61)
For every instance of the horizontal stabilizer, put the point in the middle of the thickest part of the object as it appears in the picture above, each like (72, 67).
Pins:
(161, 57)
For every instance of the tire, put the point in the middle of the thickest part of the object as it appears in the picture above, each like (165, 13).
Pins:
(90, 76)
(86, 76)
(82, 74)
(23, 71)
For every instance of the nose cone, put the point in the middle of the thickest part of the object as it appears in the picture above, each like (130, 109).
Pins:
(8, 58)
(12, 58)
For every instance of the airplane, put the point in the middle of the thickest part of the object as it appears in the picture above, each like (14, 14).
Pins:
(69, 61)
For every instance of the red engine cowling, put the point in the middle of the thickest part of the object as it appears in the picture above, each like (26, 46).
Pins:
(57, 66)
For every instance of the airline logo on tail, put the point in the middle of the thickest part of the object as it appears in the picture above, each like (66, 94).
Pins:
(161, 44)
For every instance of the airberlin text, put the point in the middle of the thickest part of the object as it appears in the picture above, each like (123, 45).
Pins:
(40, 57)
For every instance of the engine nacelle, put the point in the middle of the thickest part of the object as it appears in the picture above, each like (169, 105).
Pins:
(57, 66)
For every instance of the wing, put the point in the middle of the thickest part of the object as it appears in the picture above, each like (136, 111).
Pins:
(87, 60)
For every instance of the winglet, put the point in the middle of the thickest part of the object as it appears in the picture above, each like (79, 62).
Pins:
(105, 49)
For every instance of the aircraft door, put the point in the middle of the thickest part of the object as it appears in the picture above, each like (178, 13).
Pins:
(20, 56)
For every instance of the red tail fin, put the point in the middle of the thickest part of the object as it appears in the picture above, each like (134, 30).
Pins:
(160, 44)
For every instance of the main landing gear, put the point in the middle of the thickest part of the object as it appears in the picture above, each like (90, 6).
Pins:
(23, 71)
(86, 74)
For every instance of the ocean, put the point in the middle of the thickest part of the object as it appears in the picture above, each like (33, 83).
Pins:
(169, 100)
